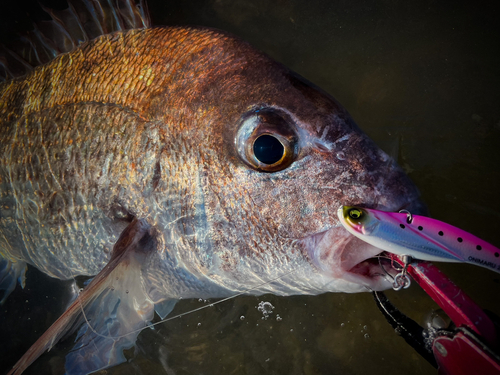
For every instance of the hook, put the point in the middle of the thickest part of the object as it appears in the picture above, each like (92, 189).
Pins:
(402, 280)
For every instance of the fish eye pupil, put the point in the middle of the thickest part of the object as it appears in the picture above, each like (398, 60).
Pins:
(355, 213)
(268, 149)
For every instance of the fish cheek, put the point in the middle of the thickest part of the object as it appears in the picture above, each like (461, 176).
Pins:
(292, 203)
(288, 203)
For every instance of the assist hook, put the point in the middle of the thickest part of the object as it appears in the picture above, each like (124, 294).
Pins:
(402, 279)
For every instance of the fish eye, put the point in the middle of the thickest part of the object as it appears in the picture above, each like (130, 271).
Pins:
(266, 140)
(355, 213)
(268, 149)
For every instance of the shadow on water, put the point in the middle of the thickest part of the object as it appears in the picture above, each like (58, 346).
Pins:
(421, 79)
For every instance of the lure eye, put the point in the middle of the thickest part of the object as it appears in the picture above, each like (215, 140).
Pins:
(355, 213)
(266, 140)
(268, 149)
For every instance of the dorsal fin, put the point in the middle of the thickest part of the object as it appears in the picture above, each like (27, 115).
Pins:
(82, 21)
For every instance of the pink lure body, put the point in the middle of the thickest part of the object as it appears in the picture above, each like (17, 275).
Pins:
(419, 236)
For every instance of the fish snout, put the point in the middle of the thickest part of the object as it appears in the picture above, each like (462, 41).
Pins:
(381, 184)
(388, 187)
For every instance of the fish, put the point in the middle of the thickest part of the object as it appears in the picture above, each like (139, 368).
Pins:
(177, 162)
(418, 236)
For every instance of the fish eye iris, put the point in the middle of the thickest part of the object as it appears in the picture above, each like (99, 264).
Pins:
(266, 140)
(354, 213)
(268, 149)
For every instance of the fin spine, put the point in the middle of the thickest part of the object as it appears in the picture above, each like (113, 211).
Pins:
(81, 22)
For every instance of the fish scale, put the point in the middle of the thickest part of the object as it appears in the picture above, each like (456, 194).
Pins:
(143, 180)
(64, 193)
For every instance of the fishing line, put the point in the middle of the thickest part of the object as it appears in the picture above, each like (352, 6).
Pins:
(178, 315)
(383, 268)
(386, 275)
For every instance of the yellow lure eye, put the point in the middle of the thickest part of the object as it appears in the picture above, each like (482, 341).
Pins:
(355, 213)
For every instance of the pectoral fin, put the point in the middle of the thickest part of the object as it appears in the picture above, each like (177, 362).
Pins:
(10, 273)
(116, 307)
(165, 307)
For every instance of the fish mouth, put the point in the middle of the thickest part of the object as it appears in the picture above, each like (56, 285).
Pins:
(340, 255)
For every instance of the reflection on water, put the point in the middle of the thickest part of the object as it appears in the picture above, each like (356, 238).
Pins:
(422, 80)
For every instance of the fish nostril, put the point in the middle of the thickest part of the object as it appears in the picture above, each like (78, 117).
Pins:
(321, 147)
(340, 155)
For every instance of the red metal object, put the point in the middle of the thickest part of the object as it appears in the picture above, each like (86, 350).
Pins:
(468, 349)
(463, 354)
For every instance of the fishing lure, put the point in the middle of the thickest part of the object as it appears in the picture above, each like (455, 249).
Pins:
(417, 236)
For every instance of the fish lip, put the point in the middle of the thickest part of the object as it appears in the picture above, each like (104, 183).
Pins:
(341, 255)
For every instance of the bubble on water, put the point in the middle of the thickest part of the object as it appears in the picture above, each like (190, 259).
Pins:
(429, 335)
(200, 300)
(278, 318)
(366, 336)
(365, 327)
(340, 155)
(199, 324)
(291, 330)
(342, 324)
(242, 317)
(265, 308)
(211, 305)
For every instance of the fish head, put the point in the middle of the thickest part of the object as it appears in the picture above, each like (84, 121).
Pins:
(275, 157)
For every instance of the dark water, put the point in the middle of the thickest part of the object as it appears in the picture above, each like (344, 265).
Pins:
(421, 79)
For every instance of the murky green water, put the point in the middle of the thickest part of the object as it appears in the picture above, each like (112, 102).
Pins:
(422, 79)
